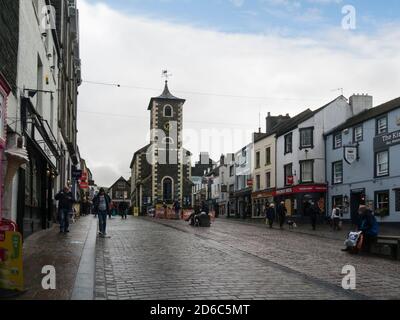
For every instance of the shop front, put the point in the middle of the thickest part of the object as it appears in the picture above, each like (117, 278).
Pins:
(297, 198)
(37, 208)
(261, 200)
(243, 203)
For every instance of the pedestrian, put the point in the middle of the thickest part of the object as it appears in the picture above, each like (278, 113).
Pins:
(281, 212)
(313, 212)
(101, 205)
(65, 200)
(177, 208)
(335, 217)
(270, 214)
(122, 210)
(368, 225)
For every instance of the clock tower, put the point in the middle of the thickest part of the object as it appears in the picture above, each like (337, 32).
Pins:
(169, 158)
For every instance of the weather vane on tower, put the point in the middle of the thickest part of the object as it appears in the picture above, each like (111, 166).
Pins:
(165, 74)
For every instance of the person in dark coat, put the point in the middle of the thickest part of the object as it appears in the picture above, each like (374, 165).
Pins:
(122, 208)
(281, 212)
(313, 211)
(101, 205)
(270, 214)
(177, 208)
(65, 200)
(368, 225)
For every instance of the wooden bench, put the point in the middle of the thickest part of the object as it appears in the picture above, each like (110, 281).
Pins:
(393, 242)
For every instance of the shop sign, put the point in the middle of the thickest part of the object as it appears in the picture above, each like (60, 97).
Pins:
(11, 271)
(301, 189)
(249, 182)
(350, 154)
(387, 140)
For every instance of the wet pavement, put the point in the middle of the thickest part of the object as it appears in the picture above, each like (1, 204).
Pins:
(145, 258)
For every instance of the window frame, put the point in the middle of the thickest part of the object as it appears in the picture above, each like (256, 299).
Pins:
(376, 193)
(301, 170)
(376, 164)
(362, 133)
(172, 111)
(289, 135)
(301, 130)
(284, 173)
(377, 127)
(268, 182)
(258, 182)
(258, 159)
(268, 156)
(333, 172)
(335, 147)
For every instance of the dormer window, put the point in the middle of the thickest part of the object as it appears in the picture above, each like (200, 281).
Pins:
(167, 111)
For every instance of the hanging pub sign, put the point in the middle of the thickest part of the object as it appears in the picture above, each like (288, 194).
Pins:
(386, 140)
(350, 154)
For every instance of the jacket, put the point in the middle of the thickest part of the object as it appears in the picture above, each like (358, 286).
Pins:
(368, 224)
(65, 200)
(281, 210)
(96, 202)
(270, 213)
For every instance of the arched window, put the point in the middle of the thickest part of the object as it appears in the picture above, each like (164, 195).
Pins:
(168, 140)
(167, 189)
(167, 111)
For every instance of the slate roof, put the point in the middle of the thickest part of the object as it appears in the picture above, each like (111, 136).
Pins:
(166, 95)
(367, 115)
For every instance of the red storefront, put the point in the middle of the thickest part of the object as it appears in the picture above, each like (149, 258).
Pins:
(296, 198)
(4, 92)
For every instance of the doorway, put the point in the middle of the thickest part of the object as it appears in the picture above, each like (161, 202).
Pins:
(357, 198)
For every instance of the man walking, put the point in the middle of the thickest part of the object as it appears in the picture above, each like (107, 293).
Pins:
(281, 212)
(65, 200)
(101, 205)
(270, 215)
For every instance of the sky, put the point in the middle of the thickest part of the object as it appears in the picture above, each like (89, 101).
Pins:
(232, 60)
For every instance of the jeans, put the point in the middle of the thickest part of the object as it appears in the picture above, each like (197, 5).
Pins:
(102, 221)
(64, 219)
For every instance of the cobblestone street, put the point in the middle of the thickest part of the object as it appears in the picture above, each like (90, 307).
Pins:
(159, 259)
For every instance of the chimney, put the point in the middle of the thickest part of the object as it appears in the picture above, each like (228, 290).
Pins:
(360, 103)
(222, 160)
(273, 121)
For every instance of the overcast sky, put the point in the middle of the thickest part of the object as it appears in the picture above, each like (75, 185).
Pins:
(232, 60)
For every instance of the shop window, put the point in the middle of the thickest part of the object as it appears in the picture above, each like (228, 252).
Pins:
(288, 143)
(358, 133)
(337, 141)
(306, 138)
(382, 164)
(382, 203)
(381, 125)
(306, 171)
(337, 172)
(338, 201)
